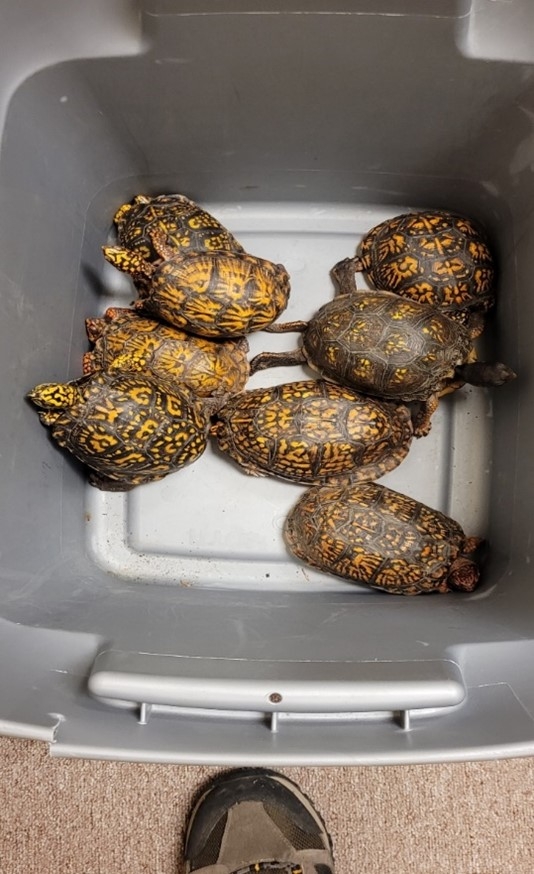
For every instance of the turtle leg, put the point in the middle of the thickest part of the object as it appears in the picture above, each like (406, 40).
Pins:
(49, 418)
(473, 544)
(286, 327)
(485, 374)
(95, 328)
(475, 549)
(113, 313)
(476, 324)
(343, 273)
(276, 359)
(159, 240)
(212, 404)
(88, 363)
(421, 420)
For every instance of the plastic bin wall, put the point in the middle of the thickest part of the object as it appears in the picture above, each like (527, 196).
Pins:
(171, 624)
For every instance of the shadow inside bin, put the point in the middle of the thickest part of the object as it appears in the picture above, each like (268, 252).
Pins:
(95, 284)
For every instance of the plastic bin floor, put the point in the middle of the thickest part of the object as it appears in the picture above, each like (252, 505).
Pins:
(212, 525)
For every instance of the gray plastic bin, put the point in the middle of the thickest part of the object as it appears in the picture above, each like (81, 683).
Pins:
(170, 624)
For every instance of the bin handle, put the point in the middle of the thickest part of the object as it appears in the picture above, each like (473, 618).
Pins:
(147, 679)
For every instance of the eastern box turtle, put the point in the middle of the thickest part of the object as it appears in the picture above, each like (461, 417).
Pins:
(391, 347)
(370, 534)
(184, 223)
(217, 294)
(128, 428)
(435, 257)
(313, 431)
(128, 341)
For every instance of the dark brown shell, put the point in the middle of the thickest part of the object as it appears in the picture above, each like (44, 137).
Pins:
(313, 431)
(373, 535)
(433, 256)
(128, 428)
(186, 226)
(380, 344)
(127, 341)
(216, 295)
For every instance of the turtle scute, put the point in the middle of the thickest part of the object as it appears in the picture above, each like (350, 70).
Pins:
(378, 343)
(372, 535)
(185, 225)
(211, 294)
(436, 257)
(124, 340)
(127, 428)
(313, 431)
(389, 347)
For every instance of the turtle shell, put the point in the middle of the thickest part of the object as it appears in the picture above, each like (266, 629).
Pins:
(128, 428)
(187, 226)
(128, 341)
(370, 534)
(221, 294)
(436, 257)
(313, 431)
(383, 345)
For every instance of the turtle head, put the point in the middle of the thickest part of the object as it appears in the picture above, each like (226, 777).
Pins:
(485, 374)
(128, 261)
(464, 573)
(54, 395)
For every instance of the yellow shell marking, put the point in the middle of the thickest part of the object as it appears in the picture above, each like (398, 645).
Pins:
(101, 442)
(141, 395)
(148, 427)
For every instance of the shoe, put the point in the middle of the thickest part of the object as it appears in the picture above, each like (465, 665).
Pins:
(252, 820)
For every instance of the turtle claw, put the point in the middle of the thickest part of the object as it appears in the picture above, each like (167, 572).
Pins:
(421, 419)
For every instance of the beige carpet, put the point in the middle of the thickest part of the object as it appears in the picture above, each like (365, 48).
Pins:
(61, 816)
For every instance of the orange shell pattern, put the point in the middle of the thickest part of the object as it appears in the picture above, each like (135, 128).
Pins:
(217, 295)
(383, 345)
(130, 428)
(313, 431)
(187, 226)
(207, 367)
(435, 257)
(370, 534)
